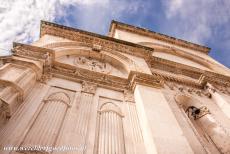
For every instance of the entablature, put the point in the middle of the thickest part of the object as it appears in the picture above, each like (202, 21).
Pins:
(198, 77)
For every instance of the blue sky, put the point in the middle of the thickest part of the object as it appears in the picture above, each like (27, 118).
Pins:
(204, 22)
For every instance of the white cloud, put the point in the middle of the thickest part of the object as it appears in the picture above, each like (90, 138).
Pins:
(197, 20)
(20, 19)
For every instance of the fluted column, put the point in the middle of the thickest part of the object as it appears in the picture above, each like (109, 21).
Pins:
(84, 112)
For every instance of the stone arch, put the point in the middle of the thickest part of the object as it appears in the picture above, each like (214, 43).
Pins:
(85, 49)
(111, 107)
(59, 96)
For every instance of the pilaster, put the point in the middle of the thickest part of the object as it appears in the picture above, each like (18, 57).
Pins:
(158, 123)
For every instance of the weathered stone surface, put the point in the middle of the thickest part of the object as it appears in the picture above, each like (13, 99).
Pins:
(133, 92)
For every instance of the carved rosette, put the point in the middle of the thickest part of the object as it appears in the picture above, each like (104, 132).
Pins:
(88, 87)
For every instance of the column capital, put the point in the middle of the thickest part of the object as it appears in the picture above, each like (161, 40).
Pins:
(88, 87)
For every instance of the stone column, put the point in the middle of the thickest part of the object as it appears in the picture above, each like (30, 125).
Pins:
(161, 131)
(80, 138)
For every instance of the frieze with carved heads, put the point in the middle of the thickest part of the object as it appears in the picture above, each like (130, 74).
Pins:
(188, 90)
(222, 89)
(198, 77)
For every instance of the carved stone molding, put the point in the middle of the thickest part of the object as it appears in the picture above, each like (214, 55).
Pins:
(188, 89)
(79, 74)
(222, 89)
(96, 47)
(201, 77)
(144, 79)
(30, 51)
(88, 87)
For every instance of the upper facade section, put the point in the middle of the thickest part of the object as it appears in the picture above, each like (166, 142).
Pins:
(168, 48)
(80, 55)
(140, 35)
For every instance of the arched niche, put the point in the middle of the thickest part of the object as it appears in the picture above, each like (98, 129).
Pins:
(212, 134)
(110, 132)
(46, 126)
(177, 55)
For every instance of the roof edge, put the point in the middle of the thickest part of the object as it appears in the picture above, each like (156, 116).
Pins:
(172, 40)
(43, 22)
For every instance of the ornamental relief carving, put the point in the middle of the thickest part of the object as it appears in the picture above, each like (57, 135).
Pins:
(92, 64)
(222, 89)
(188, 90)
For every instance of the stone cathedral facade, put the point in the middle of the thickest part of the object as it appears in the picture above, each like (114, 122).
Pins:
(132, 92)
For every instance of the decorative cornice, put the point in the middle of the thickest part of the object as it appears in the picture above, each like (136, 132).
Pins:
(78, 74)
(93, 39)
(201, 77)
(144, 79)
(172, 40)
